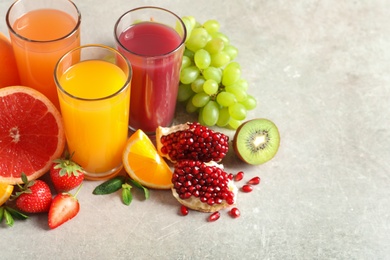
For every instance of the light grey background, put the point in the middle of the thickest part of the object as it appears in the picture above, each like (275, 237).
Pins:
(320, 71)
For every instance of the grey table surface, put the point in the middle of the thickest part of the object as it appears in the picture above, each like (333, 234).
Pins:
(321, 71)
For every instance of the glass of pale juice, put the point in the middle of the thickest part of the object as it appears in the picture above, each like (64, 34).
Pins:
(152, 38)
(41, 31)
(93, 85)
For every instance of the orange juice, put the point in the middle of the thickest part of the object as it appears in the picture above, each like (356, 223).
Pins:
(95, 113)
(39, 38)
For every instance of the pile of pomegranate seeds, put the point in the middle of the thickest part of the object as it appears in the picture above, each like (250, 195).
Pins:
(197, 143)
(208, 183)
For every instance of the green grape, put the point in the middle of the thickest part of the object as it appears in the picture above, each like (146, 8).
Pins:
(219, 59)
(213, 73)
(231, 51)
(190, 108)
(221, 36)
(191, 20)
(198, 39)
(188, 25)
(211, 26)
(200, 116)
(189, 74)
(226, 99)
(243, 84)
(215, 45)
(234, 124)
(249, 103)
(202, 59)
(210, 113)
(210, 87)
(185, 62)
(231, 74)
(237, 111)
(184, 92)
(233, 64)
(200, 99)
(197, 85)
(189, 54)
(224, 117)
(239, 93)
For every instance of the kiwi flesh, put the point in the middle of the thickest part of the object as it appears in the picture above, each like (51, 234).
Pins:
(256, 141)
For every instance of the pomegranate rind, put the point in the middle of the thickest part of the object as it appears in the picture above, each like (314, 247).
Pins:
(24, 158)
(195, 203)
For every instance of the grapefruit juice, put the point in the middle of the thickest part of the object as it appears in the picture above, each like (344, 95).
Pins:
(155, 51)
(95, 113)
(39, 38)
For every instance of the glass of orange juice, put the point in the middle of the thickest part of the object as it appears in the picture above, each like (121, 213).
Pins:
(41, 31)
(93, 85)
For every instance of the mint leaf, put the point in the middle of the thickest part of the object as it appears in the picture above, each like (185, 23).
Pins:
(140, 186)
(109, 186)
(127, 197)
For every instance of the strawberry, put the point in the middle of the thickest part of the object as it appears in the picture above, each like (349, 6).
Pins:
(64, 207)
(34, 196)
(66, 174)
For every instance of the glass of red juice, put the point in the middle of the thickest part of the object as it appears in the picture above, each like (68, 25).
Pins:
(152, 39)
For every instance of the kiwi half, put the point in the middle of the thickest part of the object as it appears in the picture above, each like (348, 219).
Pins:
(256, 141)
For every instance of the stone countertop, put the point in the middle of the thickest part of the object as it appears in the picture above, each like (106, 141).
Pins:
(321, 71)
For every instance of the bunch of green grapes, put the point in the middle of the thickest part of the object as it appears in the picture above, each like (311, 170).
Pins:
(210, 79)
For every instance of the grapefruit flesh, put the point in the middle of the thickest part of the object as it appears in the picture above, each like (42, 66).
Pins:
(31, 134)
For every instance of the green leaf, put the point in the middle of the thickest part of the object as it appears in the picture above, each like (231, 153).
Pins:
(16, 214)
(8, 218)
(127, 197)
(109, 186)
(140, 186)
(1, 213)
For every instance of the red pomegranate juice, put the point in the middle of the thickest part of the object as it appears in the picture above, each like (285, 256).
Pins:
(152, 50)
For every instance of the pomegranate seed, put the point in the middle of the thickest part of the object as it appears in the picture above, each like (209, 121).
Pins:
(196, 143)
(184, 210)
(207, 183)
(247, 188)
(239, 176)
(254, 180)
(215, 216)
(235, 212)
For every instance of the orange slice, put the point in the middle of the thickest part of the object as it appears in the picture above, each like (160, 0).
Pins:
(143, 164)
(31, 134)
(5, 192)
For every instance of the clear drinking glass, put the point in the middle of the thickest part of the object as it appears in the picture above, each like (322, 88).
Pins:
(93, 84)
(41, 31)
(152, 38)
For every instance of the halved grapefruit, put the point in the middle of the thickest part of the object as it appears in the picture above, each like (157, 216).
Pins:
(31, 134)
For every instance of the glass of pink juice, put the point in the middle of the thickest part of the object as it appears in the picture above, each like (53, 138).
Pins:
(93, 84)
(41, 31)
(152, 38)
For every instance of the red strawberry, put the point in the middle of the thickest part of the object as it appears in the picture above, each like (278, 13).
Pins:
(66, 174)
(34, 196)
(64, 207)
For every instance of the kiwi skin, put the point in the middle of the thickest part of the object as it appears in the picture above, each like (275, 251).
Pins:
(256, 129)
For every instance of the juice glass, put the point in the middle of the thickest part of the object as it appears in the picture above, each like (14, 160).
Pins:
(152, 38)
(93, 85)
(41, 31)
